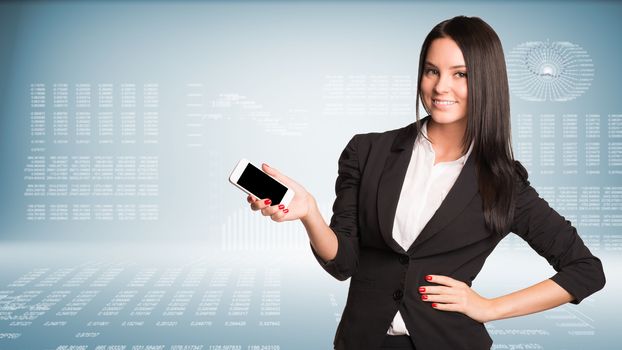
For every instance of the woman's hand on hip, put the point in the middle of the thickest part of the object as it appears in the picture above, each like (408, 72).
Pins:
(453, 295)
(298, 208)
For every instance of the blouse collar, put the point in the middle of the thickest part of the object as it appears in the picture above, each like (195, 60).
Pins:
(428, 146)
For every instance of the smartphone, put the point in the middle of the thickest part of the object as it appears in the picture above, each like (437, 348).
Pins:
(254, 181)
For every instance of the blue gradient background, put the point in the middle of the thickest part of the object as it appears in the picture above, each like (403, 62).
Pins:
(277, 54)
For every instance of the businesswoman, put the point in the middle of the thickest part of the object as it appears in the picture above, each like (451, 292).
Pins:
(418, 210)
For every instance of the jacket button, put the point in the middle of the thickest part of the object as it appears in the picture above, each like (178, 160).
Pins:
(398, 295)
(404, 259)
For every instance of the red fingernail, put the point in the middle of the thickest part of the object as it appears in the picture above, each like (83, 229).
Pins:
(428, 278)
(267, 201)
(424, 297)
(281, 206)
(421, 289)
(433, 304)
(285, 210)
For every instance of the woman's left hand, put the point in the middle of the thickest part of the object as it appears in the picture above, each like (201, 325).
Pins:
(454, 295)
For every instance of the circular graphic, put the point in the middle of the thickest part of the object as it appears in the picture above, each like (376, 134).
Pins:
(544, 71)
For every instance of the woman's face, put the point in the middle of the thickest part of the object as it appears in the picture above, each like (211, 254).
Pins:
(444, 82)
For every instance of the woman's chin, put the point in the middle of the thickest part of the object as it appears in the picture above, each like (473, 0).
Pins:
(446, 117)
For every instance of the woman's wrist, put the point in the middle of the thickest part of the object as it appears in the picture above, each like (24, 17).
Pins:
(495, 310)
(312, 210)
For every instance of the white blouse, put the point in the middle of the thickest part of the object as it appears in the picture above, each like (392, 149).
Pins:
(425, 186)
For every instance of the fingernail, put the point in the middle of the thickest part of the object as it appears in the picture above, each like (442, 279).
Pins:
(285, 211)
(281, 206)
(267, 201)
(428, 278)
(266, 164)
(421, 289)
(434, 305)
(424, 297)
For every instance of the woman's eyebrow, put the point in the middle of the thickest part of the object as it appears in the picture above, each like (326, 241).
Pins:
(452, 67)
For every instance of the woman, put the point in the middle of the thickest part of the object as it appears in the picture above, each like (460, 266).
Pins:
(419, 209)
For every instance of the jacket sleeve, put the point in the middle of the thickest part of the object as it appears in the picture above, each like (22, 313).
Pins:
(344, 221)
(553, 237)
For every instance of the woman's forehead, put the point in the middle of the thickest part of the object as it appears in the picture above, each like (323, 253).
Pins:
(444, 52)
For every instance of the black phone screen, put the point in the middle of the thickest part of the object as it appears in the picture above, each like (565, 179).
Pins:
(261, 185)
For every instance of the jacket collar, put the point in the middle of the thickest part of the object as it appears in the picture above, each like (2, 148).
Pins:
(390, 187)
(406, 137)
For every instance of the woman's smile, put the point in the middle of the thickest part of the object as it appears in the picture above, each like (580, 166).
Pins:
(443, 104)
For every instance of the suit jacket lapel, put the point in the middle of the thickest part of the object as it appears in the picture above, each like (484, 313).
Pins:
(391, 181)
(390, 187)
(459, 196)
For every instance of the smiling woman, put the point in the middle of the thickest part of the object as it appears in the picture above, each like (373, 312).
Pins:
(419, 209)
(444, 83)
(464, 57)
(444, 95)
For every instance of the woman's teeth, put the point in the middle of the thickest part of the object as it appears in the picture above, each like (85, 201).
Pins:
(442, 102)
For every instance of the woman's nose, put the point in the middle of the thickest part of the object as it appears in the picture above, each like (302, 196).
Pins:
(442, 84)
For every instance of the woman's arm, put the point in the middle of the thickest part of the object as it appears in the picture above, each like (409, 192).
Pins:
(335, 246)
(579, 272)
(539, 297)
(321, 236)
(554, 238)
(454, 295)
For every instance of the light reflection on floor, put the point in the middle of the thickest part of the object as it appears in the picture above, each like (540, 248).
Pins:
(188, 296)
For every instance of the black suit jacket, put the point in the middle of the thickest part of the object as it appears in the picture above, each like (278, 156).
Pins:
(455, 242)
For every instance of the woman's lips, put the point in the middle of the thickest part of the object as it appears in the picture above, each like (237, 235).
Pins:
(443, 104)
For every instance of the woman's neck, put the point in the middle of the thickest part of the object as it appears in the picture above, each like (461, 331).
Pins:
(446, 139)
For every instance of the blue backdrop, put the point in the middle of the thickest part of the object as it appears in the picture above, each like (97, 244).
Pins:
(121, 121)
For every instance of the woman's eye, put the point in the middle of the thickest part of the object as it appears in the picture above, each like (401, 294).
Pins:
(461, 74)
(431, 71)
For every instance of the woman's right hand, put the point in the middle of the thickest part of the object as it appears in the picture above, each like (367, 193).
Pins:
(298, 208)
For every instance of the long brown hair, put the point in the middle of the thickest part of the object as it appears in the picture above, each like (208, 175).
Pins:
(488, 113)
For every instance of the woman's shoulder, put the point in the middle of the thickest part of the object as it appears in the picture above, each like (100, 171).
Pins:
(520, 172)
(388, 137)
